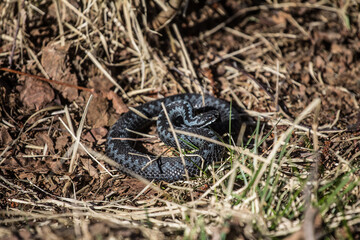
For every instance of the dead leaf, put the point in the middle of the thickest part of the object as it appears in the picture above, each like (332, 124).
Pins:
(24, 234)
(100, 84)
(43, 138)
(118, 104)
(280, 18)
(56, 167)
(96, 134)
(5, 137)
(61, 141)
(319, 62)
(336, 48)
(55, 62)
(36, 94)
(97, 115)
(89, 168)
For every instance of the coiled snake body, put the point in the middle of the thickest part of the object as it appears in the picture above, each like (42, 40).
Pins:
(210, 117)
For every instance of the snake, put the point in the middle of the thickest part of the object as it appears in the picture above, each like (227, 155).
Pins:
(198, 114)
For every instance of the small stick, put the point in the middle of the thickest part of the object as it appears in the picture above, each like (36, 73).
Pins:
(176, 140)
(48, 80)
(15, 35)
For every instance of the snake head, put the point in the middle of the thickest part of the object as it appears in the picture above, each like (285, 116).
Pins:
(182, 114)
(208, 117)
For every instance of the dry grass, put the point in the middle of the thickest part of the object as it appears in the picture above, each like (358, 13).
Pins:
(294, 174)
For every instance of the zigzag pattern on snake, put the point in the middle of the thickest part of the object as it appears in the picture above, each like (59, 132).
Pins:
(209, 117)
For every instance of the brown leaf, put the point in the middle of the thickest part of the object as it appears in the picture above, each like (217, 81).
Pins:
(55, 62)
(57, 167)
(36, 94)
(96, 134)
(100, 84)
(118, 104)
(89, 168)
(97, 115)
(319, 62)
(336, 48)
(280, 18)
(5, 137)
(24, 234)
(43, 138)
(61, 141)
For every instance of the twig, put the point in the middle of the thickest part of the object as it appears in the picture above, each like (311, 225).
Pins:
(176, 140)
(48, 80)
(11, 57)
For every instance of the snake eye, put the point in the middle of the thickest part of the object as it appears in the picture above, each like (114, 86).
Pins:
(178, 121)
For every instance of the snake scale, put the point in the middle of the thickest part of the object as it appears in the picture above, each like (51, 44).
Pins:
(207, 116)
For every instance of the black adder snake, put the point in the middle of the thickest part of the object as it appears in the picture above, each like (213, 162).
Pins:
(210, 117)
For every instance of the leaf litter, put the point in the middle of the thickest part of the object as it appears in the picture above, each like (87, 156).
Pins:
(273, 59)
